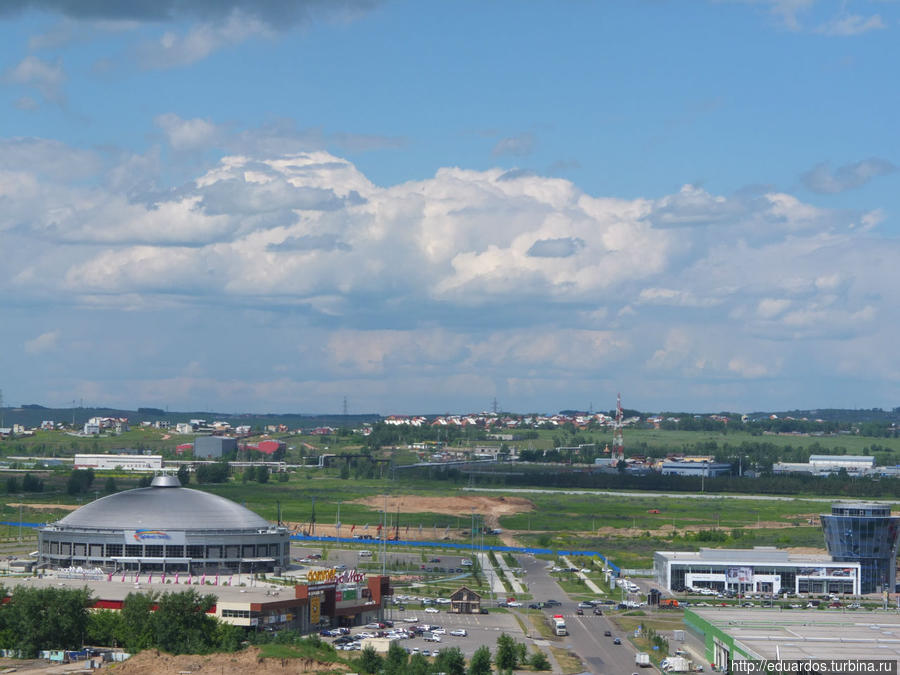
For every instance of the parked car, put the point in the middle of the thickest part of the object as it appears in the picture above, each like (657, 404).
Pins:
(459, 632)
(432, 610)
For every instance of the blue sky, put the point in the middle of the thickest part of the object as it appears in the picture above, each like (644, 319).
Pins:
(421, 206)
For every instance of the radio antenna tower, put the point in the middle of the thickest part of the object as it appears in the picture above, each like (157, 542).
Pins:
(618, 452)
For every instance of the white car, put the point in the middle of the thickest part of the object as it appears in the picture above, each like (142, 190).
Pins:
(432, 610)
(514, 603)
(411, 619)
(438, 631)
(459, 632)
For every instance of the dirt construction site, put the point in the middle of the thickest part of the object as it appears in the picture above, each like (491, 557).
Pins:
(491, 508)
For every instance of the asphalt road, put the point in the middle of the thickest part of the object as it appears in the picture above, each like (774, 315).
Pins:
(585, 638)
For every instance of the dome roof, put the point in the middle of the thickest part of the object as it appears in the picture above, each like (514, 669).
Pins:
(165, 505)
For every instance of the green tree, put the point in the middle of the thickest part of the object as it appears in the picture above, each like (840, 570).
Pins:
(521, 652)
(32, 483)
(369, 661)
(212, 473)
(137, 621)
(451, 661)
(110, 485)
(48, 618)
(262, 474)
(182, 625)
(12, 485)
(538, 661)
(345, 471)
(104, 628)
(80, 481)
(506, 657)
(481, 661)
(418, 665)
(396, 661)
(184, 474)
(228, 637)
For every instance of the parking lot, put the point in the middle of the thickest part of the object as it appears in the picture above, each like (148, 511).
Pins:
(481, 629)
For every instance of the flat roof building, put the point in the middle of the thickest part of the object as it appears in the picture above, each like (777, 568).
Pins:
(734, 634)
(123, 462)
(758, 570)
(214, 447)
(689, 468)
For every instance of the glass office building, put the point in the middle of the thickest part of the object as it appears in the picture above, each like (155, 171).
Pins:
(868, 534)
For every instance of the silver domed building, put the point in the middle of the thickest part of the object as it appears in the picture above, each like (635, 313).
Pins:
(166, 528)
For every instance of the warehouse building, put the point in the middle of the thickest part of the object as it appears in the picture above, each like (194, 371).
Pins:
(734, 634)
(214, 447)
(165, 528)
(121, 462)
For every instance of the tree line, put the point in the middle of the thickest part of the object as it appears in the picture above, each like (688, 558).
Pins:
(37, 619)
(840, 484)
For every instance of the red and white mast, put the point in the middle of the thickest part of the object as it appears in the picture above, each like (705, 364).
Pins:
(618, 450)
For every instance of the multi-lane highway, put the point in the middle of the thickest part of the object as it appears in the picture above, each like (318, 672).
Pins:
(586, 633)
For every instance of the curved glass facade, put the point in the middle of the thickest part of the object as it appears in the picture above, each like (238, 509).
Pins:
(867, 534)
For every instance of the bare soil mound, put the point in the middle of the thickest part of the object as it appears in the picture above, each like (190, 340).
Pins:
(489, 507)
(48, 507)
(241, 663)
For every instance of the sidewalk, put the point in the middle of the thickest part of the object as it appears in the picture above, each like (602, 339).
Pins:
(514, 583)
(491, 574)
(590, 584)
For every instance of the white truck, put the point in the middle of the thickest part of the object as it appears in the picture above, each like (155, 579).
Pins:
(676, 664)
(559, 625)
(642, 659)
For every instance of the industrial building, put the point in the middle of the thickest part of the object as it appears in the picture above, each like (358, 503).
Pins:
(122, 462)
(165, 528)
(734, 634)
(826, 465)
(214, 447)
(762, 569)
(867, 534)
(691, 468)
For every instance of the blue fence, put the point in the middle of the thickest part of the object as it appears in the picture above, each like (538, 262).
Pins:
(15, 523)
(459, 546)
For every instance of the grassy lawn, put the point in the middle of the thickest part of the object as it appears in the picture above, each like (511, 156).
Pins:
(568, 661)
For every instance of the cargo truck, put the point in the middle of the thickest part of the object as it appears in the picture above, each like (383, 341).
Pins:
(676, 664)
(559, 625)
(642, 659)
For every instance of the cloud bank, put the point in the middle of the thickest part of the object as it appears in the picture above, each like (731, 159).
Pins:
(513, 281)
